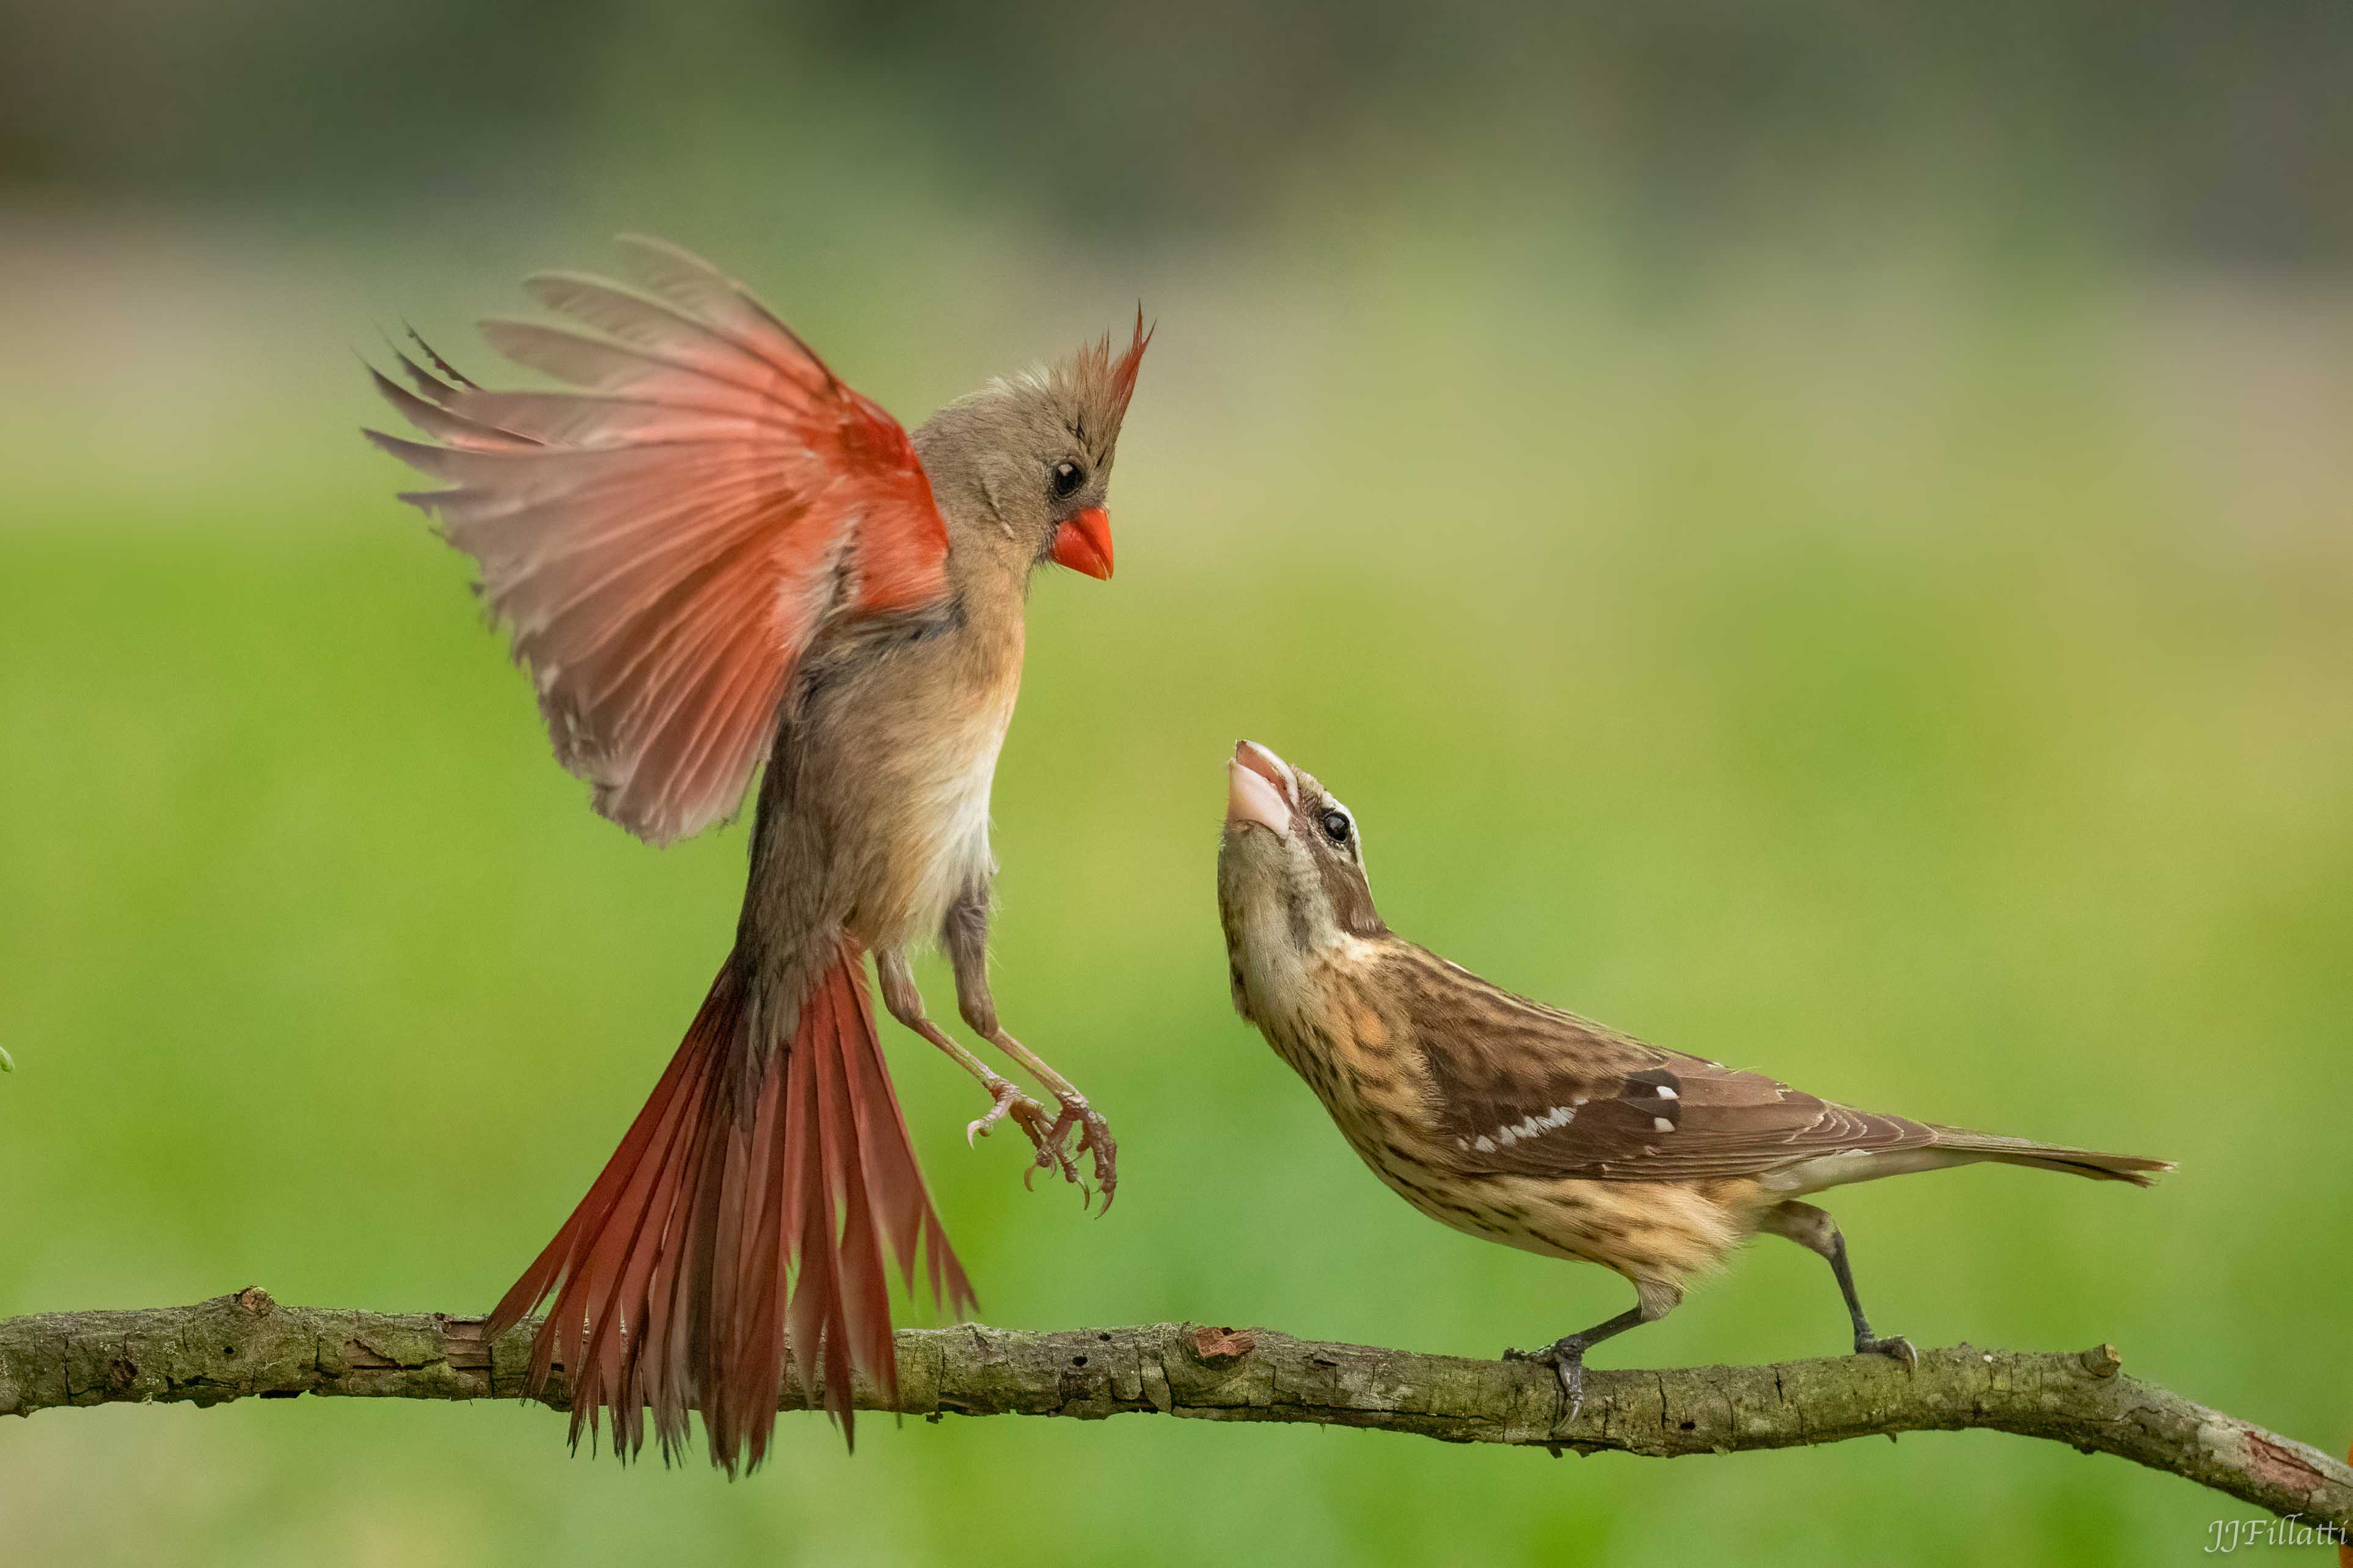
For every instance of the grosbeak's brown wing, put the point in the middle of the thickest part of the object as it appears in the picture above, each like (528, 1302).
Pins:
(1527, 1089)
(666, 542)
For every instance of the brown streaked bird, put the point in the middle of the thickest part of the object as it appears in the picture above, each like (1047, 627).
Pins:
(1513, 1121)
(710, 552)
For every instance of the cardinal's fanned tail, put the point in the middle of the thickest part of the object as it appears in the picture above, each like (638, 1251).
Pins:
(747, 1212)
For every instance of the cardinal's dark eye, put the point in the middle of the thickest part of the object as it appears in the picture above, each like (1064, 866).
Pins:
(1066, 478)
(1336, 827)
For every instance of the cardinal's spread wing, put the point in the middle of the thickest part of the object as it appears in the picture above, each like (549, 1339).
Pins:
(664, 543)
(1530, 1090)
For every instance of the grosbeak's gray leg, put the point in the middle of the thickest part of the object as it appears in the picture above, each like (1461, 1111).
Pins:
(964, 934)
(1818, 1232)
(1565, 1356)
(905, 1003)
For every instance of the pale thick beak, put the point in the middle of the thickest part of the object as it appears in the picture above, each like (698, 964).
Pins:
(1259, 789)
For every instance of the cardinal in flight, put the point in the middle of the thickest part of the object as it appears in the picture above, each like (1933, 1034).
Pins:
(710, 552)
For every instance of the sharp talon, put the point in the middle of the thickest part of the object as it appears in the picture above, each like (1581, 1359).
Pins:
(1027, 1113)
(1094, 1138)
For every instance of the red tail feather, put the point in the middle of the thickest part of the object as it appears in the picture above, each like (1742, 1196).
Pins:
(747, 1210)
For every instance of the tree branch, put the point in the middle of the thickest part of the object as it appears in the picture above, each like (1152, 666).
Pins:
(248, 1346)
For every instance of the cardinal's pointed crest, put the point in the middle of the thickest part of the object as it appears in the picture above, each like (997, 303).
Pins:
(1093, 388)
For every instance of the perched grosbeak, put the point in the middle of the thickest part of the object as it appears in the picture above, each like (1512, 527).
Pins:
(1527, 1125)
(709, 554)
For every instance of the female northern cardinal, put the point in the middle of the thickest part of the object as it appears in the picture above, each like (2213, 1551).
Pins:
(1529, 1126)
(713, 553)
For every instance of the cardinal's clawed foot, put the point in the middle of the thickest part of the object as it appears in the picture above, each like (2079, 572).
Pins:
(1006, 1100)
(1094, 1138)
(1045, 1133)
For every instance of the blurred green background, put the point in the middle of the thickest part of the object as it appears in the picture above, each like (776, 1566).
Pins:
(1822, 537)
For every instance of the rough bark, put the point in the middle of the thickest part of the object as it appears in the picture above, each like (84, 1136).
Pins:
(248, 1346)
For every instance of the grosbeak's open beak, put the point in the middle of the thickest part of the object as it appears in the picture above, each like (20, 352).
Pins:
(1083, 542)
(1259, 789)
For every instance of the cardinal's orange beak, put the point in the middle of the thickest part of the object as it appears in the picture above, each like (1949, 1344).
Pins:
(1083, 543)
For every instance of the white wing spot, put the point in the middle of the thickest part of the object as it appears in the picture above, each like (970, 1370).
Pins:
(1662, 1124)
(1667, 1092)
(1529, 1126)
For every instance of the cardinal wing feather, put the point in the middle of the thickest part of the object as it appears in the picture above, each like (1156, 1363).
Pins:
(664, 542)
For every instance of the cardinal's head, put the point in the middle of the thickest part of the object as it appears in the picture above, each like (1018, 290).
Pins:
(1024, 464)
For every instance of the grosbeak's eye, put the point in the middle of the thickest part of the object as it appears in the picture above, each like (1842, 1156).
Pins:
(1066, 478)
(1336, 827)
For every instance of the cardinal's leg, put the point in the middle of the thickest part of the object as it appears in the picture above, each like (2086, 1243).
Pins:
(1814, 1230)
(906, 1004)
(1565, 1356)
(964, 934)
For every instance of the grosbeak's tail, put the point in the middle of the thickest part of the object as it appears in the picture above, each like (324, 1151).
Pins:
(746, 1211)
(2140, 1169)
